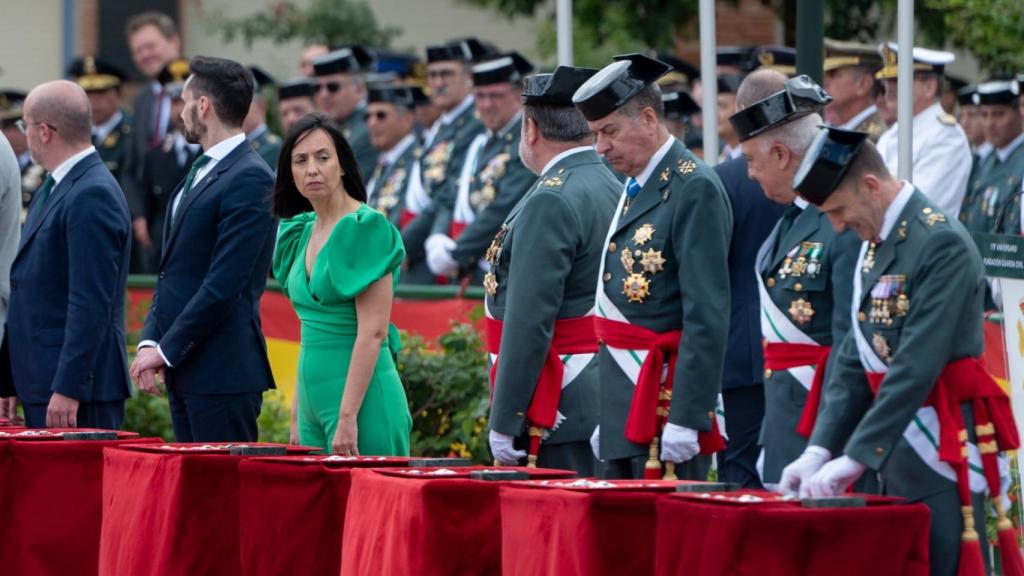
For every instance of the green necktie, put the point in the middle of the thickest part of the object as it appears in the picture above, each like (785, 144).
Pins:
(197, 164)
(43, 193)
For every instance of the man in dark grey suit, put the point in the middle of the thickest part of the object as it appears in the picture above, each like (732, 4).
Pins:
(203, 329)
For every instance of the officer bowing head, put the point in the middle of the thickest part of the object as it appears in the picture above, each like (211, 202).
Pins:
(622, 104)
(844, 175)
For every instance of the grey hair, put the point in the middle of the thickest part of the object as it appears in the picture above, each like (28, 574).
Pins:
(796, 135)
(558, 123)
(649, 97)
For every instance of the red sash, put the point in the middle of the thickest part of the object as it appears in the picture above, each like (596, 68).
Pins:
(783, 356)
(967, 380)
(455, 229)
(646, 416)
(571, 336)
(405, 218)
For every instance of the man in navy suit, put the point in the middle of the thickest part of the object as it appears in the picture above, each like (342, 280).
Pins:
(65, 327)
(203, 331)
(754, 216)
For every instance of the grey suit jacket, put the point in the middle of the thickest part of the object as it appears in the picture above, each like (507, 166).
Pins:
(10, 221)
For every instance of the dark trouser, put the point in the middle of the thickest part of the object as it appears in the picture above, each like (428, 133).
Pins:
(102, 415)
(696, 468)
(744, 411)
(215, 417)
(575, 456)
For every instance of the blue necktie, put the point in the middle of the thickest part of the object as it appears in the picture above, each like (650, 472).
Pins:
(632, 188)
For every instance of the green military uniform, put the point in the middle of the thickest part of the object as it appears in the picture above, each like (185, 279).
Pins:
(865, 58)
(873, 125)
(992, 204)
(543, 266)
(665, 268)
(917, 307)
(439, 169)
(498, 182)
(358, 135)
(267, 145)
(113, 147)
(805, 273)
(32, 176)
(389, 182)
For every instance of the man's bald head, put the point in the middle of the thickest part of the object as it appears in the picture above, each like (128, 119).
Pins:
(759, 85)
(63, 106)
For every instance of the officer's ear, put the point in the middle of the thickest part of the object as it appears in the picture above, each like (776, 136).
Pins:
(530, 131)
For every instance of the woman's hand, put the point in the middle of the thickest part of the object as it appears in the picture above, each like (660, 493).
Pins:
(346, 437)
(293, 435)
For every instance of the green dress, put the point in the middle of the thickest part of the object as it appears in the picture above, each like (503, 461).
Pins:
(362, 248)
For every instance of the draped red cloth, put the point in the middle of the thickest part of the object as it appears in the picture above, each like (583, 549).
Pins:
(967, 381)
(51, 503)
(643, 422)
(785, 355)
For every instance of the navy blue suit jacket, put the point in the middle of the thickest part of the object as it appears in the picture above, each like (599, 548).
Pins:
(216, 257)
(754, 217)
(65, 326)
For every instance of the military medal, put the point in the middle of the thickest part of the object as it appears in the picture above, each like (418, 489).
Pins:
(652, 261)
(787, 265)
(902, 305)
(490, 283)
(799, 266)
(811, 251)
(800, 311)
(881, 345)
(627, 260)
(636, 287)
(643, 234)
(869, 259)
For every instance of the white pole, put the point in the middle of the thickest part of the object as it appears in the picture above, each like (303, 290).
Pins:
(709, 81)
(905, 92)
(564, 27)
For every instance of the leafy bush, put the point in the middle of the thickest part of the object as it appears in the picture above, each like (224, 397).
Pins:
(448, 392)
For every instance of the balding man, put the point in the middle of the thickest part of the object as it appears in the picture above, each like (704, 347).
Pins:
(65, 326)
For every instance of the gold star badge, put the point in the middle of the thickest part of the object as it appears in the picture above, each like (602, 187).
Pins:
(687, 166)
(491, 283)
(627, 260)
(553, 181)
(652, 261)
(800, 311)
(643, 234)
(636, 287)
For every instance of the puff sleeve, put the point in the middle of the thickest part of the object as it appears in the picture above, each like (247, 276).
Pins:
(289, 242)
(363, 248)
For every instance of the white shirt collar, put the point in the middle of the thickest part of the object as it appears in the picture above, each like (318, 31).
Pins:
(449, 117)
(859, 117)
(984, 149)
(563, 155)
(892, 213)
(1004, 152)
(61, 171)
(391, 156)
(221, 149)
(104, 129)
(801, 203)
(654, 161)
(256, 133)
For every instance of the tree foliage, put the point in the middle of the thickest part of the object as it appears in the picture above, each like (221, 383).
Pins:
(332, 22)
(990, 29)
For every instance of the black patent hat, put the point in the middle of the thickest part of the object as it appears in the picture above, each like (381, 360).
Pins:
(556, 88)
(297, 88)
(511, 67)
(397, 95)
(679, 105)
(799, 97)
(826, 163)
(462, 50)
(341, 61)
(615, 84)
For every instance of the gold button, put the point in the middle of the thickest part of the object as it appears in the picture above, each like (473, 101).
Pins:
(767, 373)
(607, 276)
(879, 450)
(927, 210)
(611, 246)
(798, 287)
(771, 282)
(862, 316)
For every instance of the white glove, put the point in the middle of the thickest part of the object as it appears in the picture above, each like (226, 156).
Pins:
(678, 443)
(799, 471)
(439, 255)
(595, 443)
(501, 448)
(833, 479)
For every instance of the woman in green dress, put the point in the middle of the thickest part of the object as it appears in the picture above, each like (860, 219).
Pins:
(337, 260)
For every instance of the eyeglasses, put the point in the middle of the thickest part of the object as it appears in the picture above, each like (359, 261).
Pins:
(332, 87)
(379, 115)
(24, 127)
(443, 74)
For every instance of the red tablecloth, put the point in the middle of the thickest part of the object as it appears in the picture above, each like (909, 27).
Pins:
(570, 527)
(417, 522)
(292, 512)
(700, 537)
(171, 509)
(51, 503)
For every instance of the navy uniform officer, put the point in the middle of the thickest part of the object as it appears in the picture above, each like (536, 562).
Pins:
(540, 288)
(804, 269)
(663, 293)
(907, 395)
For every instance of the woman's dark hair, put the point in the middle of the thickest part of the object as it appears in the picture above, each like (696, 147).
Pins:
(288, 201)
